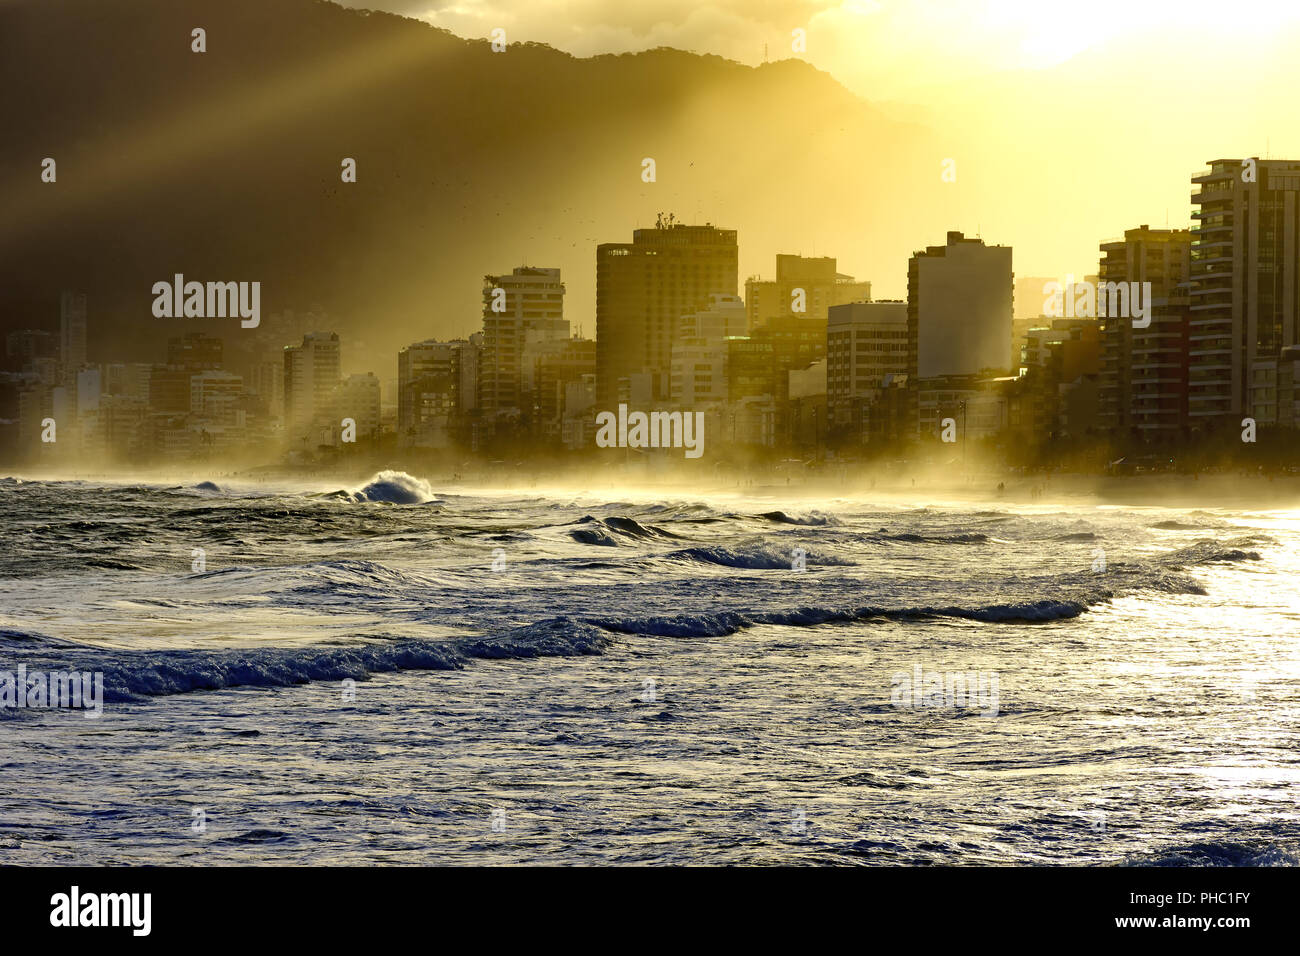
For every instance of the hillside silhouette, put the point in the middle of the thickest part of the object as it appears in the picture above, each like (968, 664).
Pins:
(225, 165)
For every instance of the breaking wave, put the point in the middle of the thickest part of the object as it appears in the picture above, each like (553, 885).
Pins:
(395, 488)
(812, 519)
(601, 531)
(130, 675)
(759, 558)
(133, 675)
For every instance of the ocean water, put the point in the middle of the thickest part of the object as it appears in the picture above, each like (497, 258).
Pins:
(402, 674)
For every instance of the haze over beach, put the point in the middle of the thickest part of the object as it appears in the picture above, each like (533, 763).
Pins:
(589, 433)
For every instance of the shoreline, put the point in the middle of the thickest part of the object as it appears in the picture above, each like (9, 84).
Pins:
(1213, 490)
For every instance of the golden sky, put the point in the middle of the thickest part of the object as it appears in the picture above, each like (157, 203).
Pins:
(1069, 120)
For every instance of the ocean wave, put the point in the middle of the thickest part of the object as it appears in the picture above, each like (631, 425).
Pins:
(812, 519)
(1209, 551)
(25, 640)
(759, 558)
(912, 537)
(722, 623)
(395, 488)
(596, 536)
(354, 572)
(627, 527)
(1250, 853)
(136, 675)
(129, 675)
(603, 531)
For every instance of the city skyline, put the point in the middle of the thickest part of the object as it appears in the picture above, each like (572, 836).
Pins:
(672, 333)
(674, 433)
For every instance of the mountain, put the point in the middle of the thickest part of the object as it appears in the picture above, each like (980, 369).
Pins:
(225, 166)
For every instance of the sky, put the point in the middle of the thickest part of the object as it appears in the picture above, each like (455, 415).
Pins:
(878, 48)
(1069, 120)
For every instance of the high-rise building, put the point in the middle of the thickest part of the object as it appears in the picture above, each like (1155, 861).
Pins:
(812, 283)
(311, 370)
(129, 379)
(1245, 280)
(791, 313)
(866, 343)
(357, 397)
(796, 344)
(266, 384)
(578, 427)
(1059, 395)
(90, 383)
(725, 315)
(216, 396)
(195, 351)
(750, 369)
(573, 362)
(520, 312)
(436, 389)
(644, 288)
(699, 371)
(24, 346)
(72, 333)
(1286, 375)
(1143, 386)
(169, 390)
(959, 301)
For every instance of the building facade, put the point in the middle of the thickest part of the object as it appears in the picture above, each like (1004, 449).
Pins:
(644, 288)
(1245, 280)
(959, 299)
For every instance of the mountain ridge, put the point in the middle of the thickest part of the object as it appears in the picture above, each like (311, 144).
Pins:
(224, 165)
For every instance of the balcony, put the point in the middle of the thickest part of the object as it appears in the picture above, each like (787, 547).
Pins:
(1205, 175)
(1209, 193)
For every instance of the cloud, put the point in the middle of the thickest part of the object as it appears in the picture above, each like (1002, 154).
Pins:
(731, 28)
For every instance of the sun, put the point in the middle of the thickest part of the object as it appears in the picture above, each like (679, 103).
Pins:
(1049, 33)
